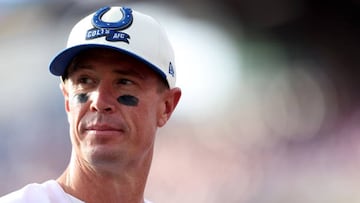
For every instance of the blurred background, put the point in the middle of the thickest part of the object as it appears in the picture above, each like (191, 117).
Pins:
(270, 106)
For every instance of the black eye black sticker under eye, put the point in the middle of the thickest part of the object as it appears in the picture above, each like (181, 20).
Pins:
(82, 98)
(128, 100)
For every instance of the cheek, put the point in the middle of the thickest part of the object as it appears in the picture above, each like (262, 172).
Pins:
(149, 109)
(77, 102)
(76, 106)
(128, 100)
(81, 98)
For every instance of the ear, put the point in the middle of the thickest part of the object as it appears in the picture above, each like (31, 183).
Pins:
(66, 95)
(170, 102)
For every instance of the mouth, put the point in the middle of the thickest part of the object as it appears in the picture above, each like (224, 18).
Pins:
(103, 130)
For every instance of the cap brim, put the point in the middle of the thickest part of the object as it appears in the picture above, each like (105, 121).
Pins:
(59, 64)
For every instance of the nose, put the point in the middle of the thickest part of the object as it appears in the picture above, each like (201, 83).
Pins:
(102, 99)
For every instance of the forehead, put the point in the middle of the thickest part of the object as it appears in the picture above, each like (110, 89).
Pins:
(101, 58)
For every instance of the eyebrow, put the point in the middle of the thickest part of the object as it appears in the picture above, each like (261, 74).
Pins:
(75, 66)
(129, 72)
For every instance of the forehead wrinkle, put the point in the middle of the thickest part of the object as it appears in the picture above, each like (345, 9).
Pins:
(125, 64)
(125, 70)
(129, 72)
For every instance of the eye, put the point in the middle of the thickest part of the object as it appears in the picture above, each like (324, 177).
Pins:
(124, 81)
(85, 80)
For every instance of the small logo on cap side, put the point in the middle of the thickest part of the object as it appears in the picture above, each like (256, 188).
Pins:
(110, 29)
(171, 70)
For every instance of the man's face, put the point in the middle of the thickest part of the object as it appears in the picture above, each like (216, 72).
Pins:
(114, 106)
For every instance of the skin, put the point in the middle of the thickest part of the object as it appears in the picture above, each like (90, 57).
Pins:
(128, 100)
(112, 142)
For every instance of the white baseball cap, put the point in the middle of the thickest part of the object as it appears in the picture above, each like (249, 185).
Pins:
(124, 30)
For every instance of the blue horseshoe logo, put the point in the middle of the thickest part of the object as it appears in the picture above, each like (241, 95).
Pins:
(123, 23)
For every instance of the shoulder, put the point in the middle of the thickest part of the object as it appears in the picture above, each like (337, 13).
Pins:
(46, 192)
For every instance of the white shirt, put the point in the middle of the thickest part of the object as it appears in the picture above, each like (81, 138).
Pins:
(47, 192)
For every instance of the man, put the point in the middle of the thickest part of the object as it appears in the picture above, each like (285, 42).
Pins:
(118, 81)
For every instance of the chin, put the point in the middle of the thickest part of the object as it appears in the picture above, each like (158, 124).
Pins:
(103, 155)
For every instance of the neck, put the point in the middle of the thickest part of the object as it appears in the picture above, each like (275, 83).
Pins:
(125, 183)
